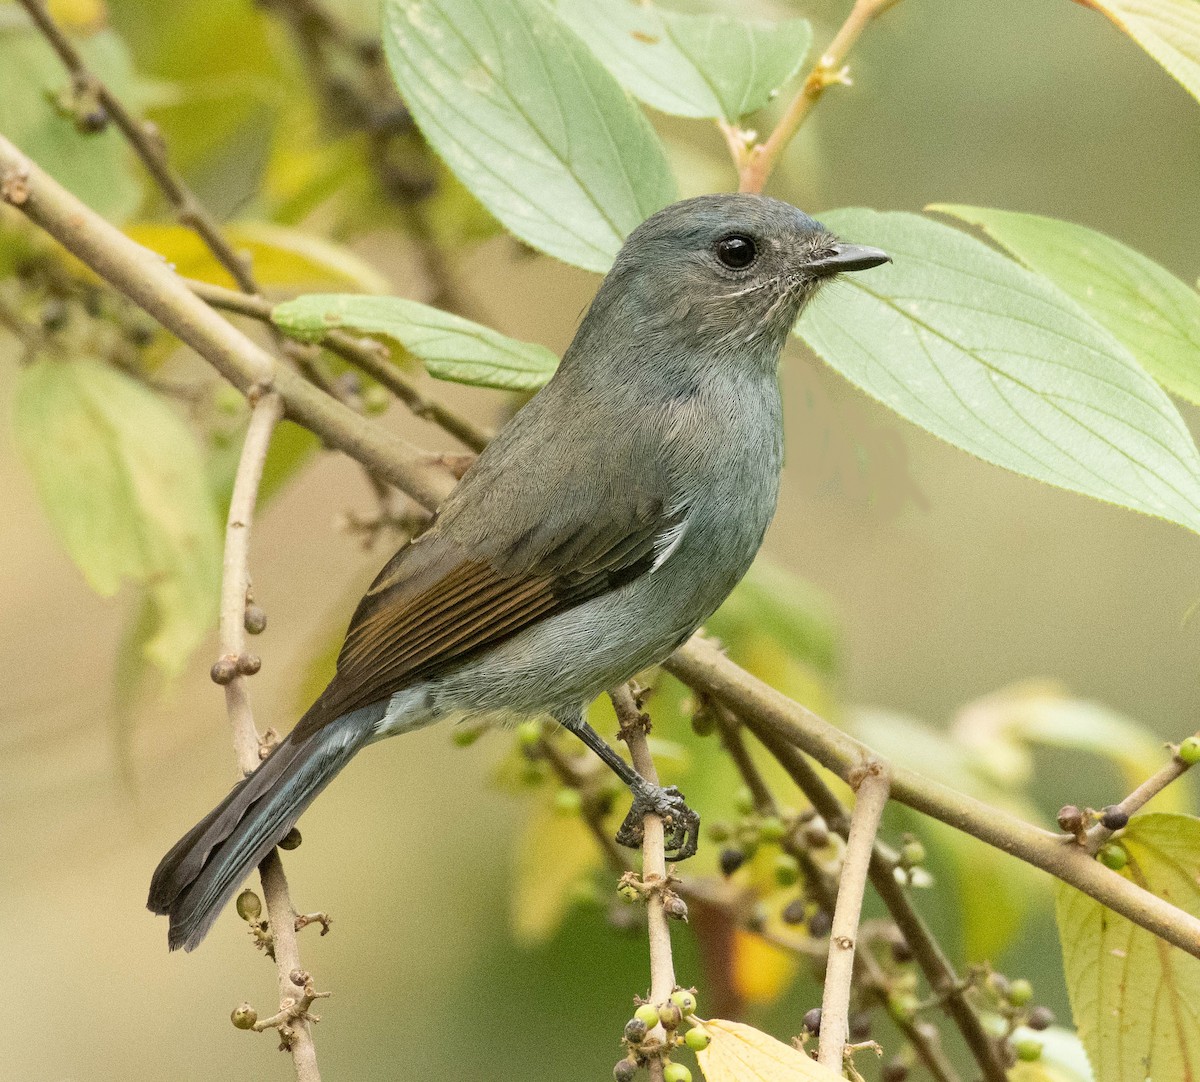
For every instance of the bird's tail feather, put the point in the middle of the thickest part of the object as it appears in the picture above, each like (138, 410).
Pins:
(199, 875)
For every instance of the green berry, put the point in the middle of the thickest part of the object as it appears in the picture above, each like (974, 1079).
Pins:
(670, 1016)
(1189, 751)
(912, 854)
(676, 1072)
(743, 801)
(249, 906)
(787, 870)
(697, 1038)
(228, 400)
(772, 829)
(375, 399)
(466, 735)
(720, 831)
(684, 1000)
(1113, 856)
(647, 1013)
(568, 801)
(902, 1005)
(1028, 1050)
(1020, 992)
(244, 1016)
(529, 734)
(704, 722)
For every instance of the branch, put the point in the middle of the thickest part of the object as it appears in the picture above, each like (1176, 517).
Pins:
(365, 354)
(755, 163)
(701, 665)
(146, 141)
(864, 825)
(654, 860)
(148, 281)
(1119, 814)
(292, 1020)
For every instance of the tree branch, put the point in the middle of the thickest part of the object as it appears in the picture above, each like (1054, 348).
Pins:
(147, 143)
(755, 163)
(363, 353)
(701, 665)
(148, 281)
(1175, 768)
(864, 825)
(235, 582)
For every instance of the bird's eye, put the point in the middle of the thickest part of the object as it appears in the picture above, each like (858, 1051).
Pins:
(736, 251)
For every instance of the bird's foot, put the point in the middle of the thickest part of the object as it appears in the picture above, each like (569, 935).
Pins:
(681, 825)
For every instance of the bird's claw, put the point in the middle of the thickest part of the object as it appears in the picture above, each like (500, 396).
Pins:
(681, 825)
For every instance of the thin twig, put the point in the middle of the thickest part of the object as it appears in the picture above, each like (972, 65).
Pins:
(235, 582)
(702, 666)
(654, 859)
(864, 825)
(1098, 834)
(755, 163)
(365, 354)
(146, 141)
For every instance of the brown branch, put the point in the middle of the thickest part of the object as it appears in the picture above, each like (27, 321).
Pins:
(1175, 768)
(149, 282)
(701, 665)
(860, 844)
(755, 163)
(292, 1021)
(146, 141)
(365, 354)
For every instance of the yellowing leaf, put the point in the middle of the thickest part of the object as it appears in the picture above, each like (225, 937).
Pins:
(279, 256)
(554, 854)
(762, 972)
(1135, 998)
(1169, 30)
(741, 1053)
(123, 484)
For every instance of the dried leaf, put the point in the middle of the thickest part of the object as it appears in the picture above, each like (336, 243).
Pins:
(741, 1053)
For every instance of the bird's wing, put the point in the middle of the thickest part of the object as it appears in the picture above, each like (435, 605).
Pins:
(438, 601)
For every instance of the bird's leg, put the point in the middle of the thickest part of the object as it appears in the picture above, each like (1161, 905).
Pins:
(681, 825)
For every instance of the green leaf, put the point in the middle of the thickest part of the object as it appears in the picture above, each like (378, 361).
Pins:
(1136, 1000)
(1146, 307)
(1169, 30)
(530, 121)
(987, 355)
(97, 167)
(451, 347)
(716, 66)
(123, 484)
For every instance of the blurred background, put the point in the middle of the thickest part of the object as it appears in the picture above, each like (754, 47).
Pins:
(946, 579)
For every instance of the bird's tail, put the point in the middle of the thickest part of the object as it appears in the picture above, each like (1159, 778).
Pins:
(199, 875)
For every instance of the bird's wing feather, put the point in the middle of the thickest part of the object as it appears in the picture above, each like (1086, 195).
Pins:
(438, 601)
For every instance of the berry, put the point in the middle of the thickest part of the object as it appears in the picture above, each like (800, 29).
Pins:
(375, 399)
(249, 906)
(697, 1038)
(772, 829)
(1028, 1050)
(820, 924)
(812, 1020)
(647, 1013)
(529, 734)
(675, 907)
(670, 1016)
(465, 735)
(704, 722)
(719, 831)
(1189, 751)
(912, 854)
(248, 664)
(860, 1026)
(1114, 818)
(816, 834)
(635, 1031)
(743, 801)
(1113, 856)
(1040, 1018)
(568, 801)
(684, 1000)
(795, 911)
(676, 1072)
(291, 840)
(254, 620)
(731, 860)
(244, 1016)
(901, 951)
(1020, 992)
(896, 1071)
(624, 1071)
(1070, 818)
(787, 870)
(224, 670)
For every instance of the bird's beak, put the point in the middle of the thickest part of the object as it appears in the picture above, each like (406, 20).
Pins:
(848, 257)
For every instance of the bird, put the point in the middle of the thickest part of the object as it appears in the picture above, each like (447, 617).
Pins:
(592, 537)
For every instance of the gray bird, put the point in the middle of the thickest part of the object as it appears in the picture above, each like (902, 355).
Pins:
(601, 527)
